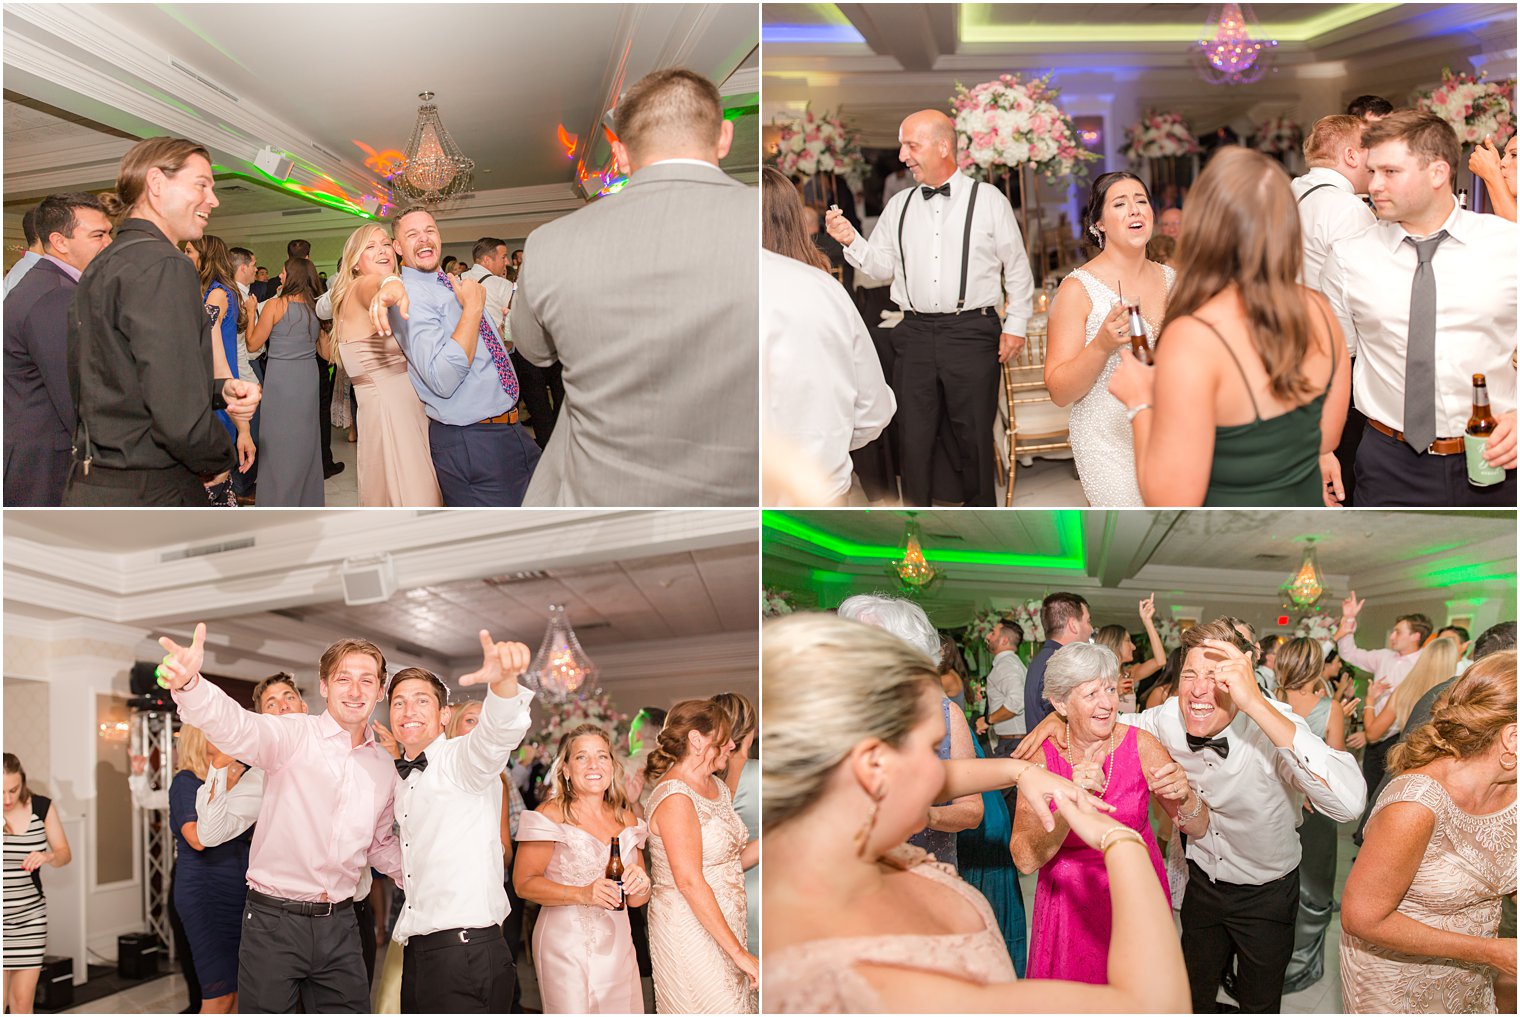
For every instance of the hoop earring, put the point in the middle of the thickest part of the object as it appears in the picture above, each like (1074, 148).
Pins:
(1513, 759)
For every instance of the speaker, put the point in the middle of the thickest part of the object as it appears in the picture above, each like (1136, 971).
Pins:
(55, 985)
(137, 955)
(144, 682)
(370, 204)
(368, 580)
(273, 163)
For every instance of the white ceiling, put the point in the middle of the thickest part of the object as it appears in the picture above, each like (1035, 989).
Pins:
(912, 55)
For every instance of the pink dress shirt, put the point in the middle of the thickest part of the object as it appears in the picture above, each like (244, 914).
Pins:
(1385, 665)
(327, 803)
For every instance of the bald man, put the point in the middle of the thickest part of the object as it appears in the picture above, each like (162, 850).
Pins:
(953, 251)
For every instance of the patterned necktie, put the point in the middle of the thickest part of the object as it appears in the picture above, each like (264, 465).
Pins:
(498, 352)
(1420, 352)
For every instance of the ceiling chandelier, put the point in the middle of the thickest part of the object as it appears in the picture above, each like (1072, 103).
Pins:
(914, 573)
(560, 668)
(436, 168)
(1228, 55)
(1306, 587)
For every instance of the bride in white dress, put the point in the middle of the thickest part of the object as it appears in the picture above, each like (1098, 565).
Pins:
(1089, 326)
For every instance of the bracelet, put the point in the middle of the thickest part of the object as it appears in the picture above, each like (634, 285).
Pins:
(1188, 817)
(1125, 834)
(389, 278)
(1136, 411)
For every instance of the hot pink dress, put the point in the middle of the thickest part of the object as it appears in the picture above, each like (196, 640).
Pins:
(1072, 914)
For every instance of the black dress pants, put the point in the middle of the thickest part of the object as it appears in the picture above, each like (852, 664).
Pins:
(945, 375)
(1253, 924)
(442, 974)
(1390, 474)
(292, 963)
(324, 411)
(876, 463)
(542, 391)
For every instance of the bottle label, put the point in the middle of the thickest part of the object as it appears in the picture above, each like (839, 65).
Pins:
(1480, 473)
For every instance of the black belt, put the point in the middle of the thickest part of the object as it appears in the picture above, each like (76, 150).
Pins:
(309, 908)
(454, 937)
(975, 312)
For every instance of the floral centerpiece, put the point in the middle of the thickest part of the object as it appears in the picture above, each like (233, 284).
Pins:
(1158, 135)
(776, 603)
(552, 720)
(1278, 136)
(819, 143)
(1475, 108)
(1320, 627)
(1007, 122)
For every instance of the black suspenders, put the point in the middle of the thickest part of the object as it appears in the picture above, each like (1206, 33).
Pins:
(1311, 190)
(902, 252)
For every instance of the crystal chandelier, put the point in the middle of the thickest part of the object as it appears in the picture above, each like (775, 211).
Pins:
(560, 668)
(1306, 587)
(436, 168)
(1229, 56)
(913, 572)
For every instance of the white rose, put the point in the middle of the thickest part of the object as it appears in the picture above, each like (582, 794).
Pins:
(826, 163)
(796, 143)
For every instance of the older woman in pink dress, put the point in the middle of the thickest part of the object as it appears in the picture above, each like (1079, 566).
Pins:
(582, 948)
(1073, 923)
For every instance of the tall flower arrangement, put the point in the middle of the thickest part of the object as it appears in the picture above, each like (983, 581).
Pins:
(551, 720)
(1319, 627)
(1157, 135)
(1278, 136)
(819, 143)
(1473, 106)
(1007, 122)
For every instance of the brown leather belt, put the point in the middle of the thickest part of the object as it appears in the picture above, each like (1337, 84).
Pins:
(1439, 447)
(509, 417)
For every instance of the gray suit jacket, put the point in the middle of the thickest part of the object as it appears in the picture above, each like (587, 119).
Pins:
(648, 298)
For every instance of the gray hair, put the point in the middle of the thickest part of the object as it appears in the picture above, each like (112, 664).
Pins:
(903, 618)
(1076, 664)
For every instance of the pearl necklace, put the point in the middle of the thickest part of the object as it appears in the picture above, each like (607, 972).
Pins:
(1108, 764)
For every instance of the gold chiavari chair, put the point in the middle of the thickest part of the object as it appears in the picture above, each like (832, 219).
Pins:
(1035, 425)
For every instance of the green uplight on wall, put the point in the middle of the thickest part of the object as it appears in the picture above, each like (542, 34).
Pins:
(1473, 572)
(1070, 557)
(977, 26)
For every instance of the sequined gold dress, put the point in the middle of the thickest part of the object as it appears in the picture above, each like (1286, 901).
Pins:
(819, 976)
(1468, 866)
(692, 974)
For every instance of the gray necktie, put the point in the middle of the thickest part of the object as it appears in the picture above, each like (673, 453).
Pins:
(1420, 354)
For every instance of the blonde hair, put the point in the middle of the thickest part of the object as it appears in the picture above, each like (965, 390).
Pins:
(687, 716)
(830, 684)
(1467, 719)
(1436, 663)
(456, 722)
(742, 718)
(561, 790)
(343, 279)
(193, 751)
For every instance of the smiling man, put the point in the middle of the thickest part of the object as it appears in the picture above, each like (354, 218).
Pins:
(326, 817)
(139, 344)
(1253, 760)
(448, 805)
(459, 366)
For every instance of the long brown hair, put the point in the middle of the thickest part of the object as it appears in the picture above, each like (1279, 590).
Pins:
(1241, 228)
(1467, 718)
(166, 154)
(301, 280)
(560, 789)
(689, 715)
(1300, 662)
(216, 266)
(13, 765)
(782, 231)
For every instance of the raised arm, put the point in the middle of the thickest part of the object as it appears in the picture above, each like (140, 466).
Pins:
(503, 715)
(676, 820)
(1145, 669)
(878, 256)
(264, 741)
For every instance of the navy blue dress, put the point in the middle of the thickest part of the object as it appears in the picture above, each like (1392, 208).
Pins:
(210, 888)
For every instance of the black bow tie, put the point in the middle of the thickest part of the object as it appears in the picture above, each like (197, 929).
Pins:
(405, 766)
(930, 192)
(1219, 745)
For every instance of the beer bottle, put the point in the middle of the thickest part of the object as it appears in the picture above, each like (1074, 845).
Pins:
(1137, 343)
(615, 872)
(1462, 196)
(1480, 473)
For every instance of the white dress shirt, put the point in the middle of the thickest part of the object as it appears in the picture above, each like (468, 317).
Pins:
(1329, 215)
(1368, 278)
(1005, 689)
(824, 388)
(1256, 794)
(221, 815)
(998, 275)
(450, 819)
(498, 296)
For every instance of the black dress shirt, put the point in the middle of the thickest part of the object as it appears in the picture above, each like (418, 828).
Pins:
(140, 358)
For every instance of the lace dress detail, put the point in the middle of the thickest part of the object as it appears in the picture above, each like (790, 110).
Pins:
(692, 974)
(583, 956)
(820, 976)
(1102, 441)
(1469, 865)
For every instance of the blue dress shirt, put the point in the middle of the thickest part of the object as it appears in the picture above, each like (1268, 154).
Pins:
(453, 390)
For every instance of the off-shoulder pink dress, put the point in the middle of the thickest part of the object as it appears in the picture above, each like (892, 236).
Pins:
(583, 955)
(820, 976)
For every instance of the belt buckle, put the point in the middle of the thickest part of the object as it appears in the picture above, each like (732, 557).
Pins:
(324, 914)
(464, 937)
